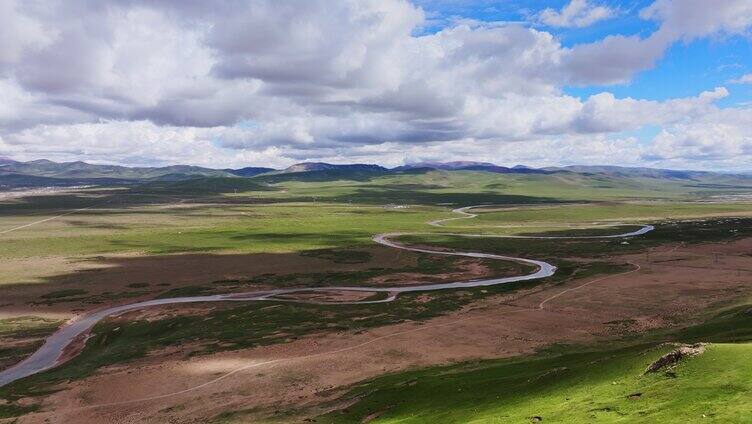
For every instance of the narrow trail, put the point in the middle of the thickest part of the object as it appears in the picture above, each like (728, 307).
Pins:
(79, 210)
(52, 218)
(52, 351)
(330, 352)
(597, 280)
(466, 215)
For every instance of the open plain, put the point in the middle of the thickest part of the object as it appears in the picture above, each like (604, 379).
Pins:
(331, 344)
(375, 211)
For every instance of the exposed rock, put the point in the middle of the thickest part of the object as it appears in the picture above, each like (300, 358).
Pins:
(676, 355)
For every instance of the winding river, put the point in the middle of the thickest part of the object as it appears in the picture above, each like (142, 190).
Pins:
(53, 352)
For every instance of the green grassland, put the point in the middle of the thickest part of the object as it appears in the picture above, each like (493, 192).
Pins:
(236, 327)
(600, 383)
(485, 187)
(666, 232)
(331, 217)
(605, 212)
(211, 228)
(20, 336)
(232, 326)
(254, 215)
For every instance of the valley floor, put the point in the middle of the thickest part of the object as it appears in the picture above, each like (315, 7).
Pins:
(567, 348)
(287, 382)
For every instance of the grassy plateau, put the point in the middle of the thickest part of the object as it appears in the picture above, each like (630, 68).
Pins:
(54, 246)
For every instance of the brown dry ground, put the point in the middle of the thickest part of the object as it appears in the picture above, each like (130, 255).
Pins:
(327, 296)
(108, 279)
(99, 275)
(671, 289)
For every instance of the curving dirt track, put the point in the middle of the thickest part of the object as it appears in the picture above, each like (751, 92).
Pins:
(57, 347)
(305, 374)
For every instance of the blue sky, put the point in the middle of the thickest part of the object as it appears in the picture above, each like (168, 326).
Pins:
(269, 83)
(627, 22)
(685, 68)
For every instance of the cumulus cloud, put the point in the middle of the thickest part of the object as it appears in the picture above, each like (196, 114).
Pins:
(137, 143)
(578, 13)
(744, 79)
(617, 58)
(722, 136)
(185, 81)
(605, 113)
(27, 34)
(690, 19)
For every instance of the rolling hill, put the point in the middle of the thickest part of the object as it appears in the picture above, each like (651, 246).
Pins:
(45, 173)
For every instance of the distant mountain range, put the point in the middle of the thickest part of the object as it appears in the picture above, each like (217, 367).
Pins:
(48, 173)
(472, 166)
(320, 166)
(620, 171)
(447, 166)
(249, 171)
(83, 170)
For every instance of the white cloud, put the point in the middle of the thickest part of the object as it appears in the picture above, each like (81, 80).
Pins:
(604, 113)
(744, 79)
(578, 13)
(721, 135)
(183, 81)
(613, 60)
(690, 19)
(616, 58)
(21, 34)
(137, 143)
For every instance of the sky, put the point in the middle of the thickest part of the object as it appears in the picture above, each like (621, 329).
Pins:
(659, 83)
